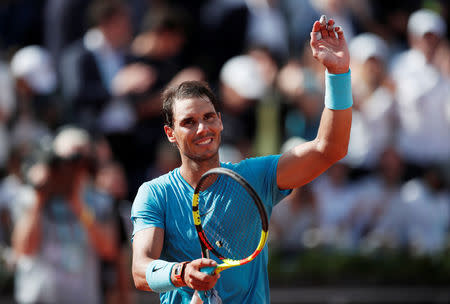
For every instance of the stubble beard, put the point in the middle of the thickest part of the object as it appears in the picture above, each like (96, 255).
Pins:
(213, 157)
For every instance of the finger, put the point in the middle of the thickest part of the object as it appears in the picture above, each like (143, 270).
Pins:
(323, 26)
(315, 33)
(323, 20)
(207, 263)
(339, 32)
(330, 28)
(316, 26)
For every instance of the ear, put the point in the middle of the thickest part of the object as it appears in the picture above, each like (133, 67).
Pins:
(170, 134)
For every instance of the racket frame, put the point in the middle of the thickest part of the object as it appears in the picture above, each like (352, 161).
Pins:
(204, 242)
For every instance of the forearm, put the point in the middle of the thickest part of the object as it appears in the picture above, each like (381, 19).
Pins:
(139, 269)
(334, 134)
(305, 162)
(147, 247)
(26, 238)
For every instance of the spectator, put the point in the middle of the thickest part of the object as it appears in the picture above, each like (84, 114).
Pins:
(35, 83)
(373, 119)
(422, 95)
(268, 135)
(376, 219)
(62, 226)
(336, 196)
(428, 217)
(89, 65)
(241, 87)
(294, 219)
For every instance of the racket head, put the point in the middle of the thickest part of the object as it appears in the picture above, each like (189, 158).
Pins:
(229, 217)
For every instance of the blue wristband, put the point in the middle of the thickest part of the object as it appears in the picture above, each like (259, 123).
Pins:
(158, 275)
(338, 91)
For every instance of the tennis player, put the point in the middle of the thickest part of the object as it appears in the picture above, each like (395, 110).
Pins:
(165, 245)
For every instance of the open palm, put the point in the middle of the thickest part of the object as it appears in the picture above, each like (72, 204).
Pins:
(329, 47)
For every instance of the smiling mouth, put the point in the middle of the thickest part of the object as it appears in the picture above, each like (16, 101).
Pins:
(204, 141)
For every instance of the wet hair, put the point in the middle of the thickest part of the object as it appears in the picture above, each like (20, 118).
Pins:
(186, 90)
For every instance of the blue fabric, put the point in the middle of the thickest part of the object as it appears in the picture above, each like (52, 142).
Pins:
(338, 91)
(166, 202)
(158, 276)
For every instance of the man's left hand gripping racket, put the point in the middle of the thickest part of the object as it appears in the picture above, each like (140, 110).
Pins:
(230, 219)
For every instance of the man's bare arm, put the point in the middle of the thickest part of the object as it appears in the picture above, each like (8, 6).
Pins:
(147, 246)
(305, 162)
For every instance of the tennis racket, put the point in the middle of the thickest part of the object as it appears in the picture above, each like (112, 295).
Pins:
(230, 219)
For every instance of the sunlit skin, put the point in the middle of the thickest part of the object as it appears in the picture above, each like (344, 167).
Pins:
(196, 132)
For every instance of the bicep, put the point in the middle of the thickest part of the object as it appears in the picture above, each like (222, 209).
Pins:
(147, 246)
(300, 165)
(305, 162)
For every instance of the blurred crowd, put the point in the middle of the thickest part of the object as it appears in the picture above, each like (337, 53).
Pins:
(81, 129)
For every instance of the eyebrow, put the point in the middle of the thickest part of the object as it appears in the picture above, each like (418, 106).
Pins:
(187, 118)
(210, 113)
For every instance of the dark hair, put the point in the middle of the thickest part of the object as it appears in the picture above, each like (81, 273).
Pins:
(186, 90)
(103, 10)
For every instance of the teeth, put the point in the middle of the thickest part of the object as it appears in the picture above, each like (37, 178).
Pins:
(205, 141)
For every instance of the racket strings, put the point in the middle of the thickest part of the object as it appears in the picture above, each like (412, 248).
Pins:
(230, 219)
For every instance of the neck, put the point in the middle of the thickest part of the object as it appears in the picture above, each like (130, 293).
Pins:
(192, 170)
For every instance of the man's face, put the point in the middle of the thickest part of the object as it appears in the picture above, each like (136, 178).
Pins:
(196, 128)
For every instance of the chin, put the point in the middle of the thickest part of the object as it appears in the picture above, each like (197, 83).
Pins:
(204, 156)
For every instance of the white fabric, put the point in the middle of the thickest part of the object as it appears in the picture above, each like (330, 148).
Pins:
(428, 216)
(371, 130)
(423, 98)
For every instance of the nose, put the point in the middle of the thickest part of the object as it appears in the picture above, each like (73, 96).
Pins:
(202, 127)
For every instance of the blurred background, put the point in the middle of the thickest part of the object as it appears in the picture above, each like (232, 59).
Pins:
(80, 130)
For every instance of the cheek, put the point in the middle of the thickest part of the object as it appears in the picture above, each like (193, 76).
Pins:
(219, 126)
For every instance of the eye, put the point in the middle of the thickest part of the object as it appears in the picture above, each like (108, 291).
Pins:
(188, 122)
(210, 116)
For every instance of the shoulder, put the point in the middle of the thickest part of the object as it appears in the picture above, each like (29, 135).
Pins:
(158, 187)
(252, 163)
(162, 181)
(256, 169)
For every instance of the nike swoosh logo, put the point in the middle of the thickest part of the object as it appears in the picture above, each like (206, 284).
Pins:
(156, 269)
